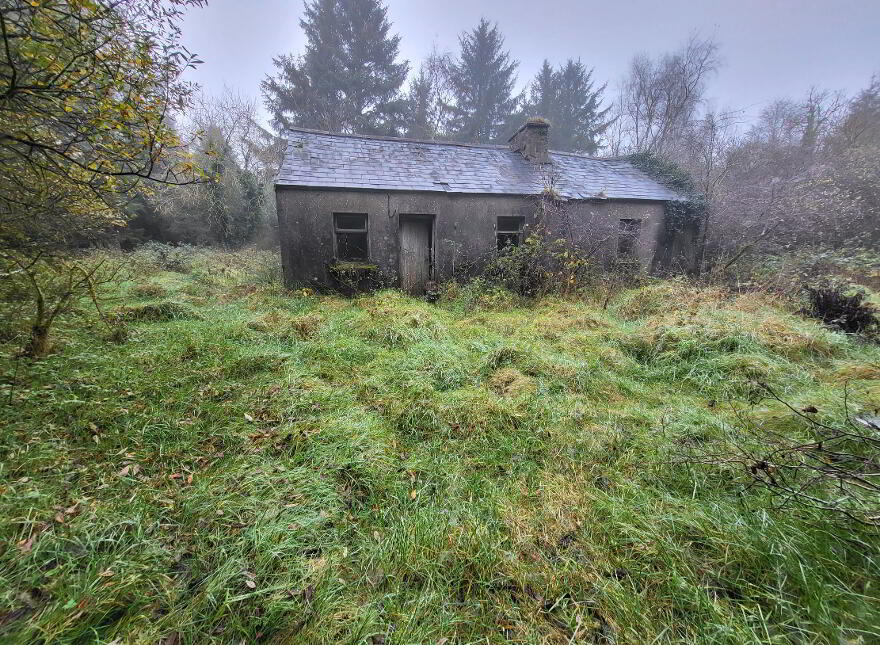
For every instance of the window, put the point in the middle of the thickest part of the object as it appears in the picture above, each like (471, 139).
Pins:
(351, 236)
(627, 238)
(508, 231)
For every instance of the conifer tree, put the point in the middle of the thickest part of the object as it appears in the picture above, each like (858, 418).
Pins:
(568, 97)
(418, 112)
(348, 79)
(482, 79)
(542, 92)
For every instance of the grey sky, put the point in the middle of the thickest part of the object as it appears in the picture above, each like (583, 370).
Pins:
(771, 48)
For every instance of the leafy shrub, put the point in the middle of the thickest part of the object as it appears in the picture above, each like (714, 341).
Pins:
(541, 265)
(838, 309)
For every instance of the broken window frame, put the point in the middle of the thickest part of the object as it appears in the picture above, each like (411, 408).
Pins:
(629, 230)
(338, 230)
(507, 232)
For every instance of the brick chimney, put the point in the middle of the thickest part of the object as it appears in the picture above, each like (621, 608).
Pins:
(531, 140)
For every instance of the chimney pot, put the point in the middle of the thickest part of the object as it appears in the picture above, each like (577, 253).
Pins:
(532, 139)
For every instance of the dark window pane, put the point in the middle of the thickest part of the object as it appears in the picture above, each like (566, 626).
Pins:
(628, 235)
(351, 246)
(351, 221)
(507, 240)
(509, 224)
(626, 245)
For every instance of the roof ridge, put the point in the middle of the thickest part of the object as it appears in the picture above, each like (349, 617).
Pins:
(381, 137)
(580, 155)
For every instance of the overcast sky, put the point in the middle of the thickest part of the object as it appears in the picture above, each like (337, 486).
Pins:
(771, 48)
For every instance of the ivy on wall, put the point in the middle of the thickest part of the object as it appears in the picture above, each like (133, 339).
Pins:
(692, 209)
(683, 216)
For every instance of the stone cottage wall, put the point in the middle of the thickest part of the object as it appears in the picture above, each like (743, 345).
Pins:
(464, 227)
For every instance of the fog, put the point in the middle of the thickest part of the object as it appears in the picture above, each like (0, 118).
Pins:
(769, 49)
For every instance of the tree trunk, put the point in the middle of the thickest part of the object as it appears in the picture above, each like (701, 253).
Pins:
(39, 344)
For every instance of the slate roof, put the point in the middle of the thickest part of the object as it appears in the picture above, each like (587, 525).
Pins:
(324, 160)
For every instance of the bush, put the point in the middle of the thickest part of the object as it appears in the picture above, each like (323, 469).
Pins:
(540, 266)
(838, 309)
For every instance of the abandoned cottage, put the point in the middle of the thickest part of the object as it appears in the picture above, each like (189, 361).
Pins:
(416, 211)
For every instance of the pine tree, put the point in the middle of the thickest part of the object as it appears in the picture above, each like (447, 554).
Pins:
(429, 99)
(347, 80)
(568, 98)
(418, 110)
(482, 81)
(542, 92)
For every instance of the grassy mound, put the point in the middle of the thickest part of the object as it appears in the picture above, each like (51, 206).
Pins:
(156, 312)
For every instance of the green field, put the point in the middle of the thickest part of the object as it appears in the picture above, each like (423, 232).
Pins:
(252, 466)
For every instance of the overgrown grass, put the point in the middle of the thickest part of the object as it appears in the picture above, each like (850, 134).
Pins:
(254, 466)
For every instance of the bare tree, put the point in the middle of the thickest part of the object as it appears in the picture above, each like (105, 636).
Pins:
(659, 98)
(239, 157)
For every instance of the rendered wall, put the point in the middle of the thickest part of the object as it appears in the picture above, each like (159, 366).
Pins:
(464, 227)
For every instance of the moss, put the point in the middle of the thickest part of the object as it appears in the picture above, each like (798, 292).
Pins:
(353, 267)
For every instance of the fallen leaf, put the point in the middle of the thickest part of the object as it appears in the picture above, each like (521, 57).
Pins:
(124, 471)
(189, 479)
(413, 494)
(376, 536)
(59, 517)
(26, 545)
(24, 480)
(106, 573)
(251, 584)
(172, 639)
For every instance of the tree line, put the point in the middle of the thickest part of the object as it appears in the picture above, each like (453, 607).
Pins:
(99, 129)
(803, 173)
(350, 79)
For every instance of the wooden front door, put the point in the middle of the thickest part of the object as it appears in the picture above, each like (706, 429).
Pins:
(415, 253)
